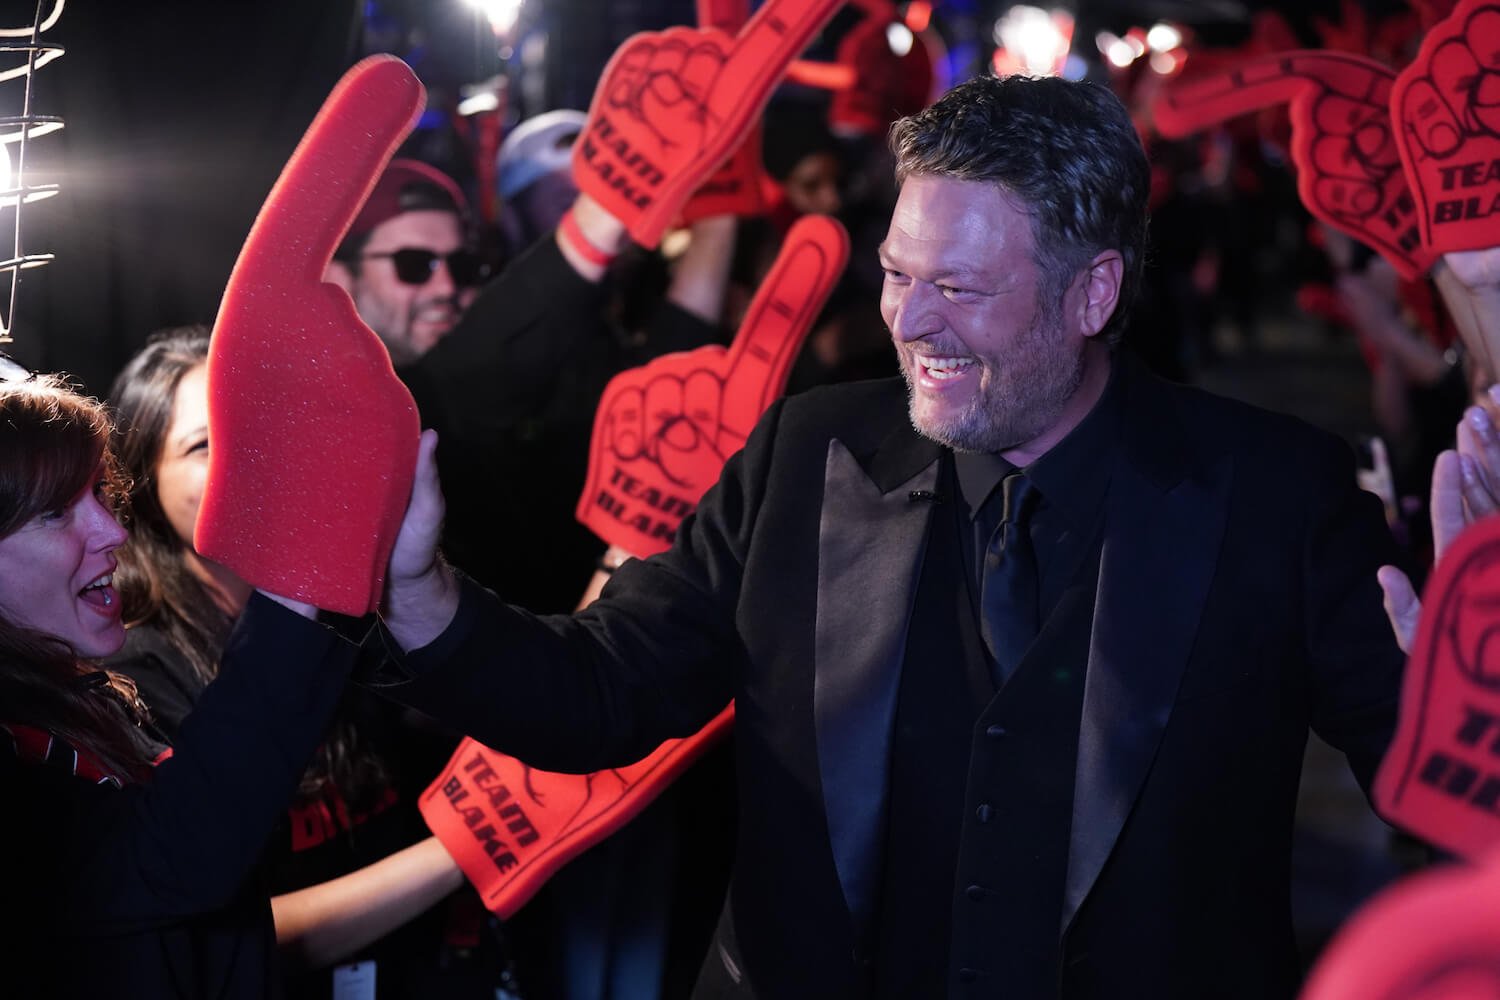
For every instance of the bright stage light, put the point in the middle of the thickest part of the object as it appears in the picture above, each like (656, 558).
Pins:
(1163, 37)
(1036, 41)
(899, 37)
(1115, 50)
(501, 14)
(23, 53)
(479, 103)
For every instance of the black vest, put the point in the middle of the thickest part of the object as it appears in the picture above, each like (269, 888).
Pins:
(981, 792)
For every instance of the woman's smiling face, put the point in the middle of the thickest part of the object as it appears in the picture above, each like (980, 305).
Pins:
(56, 574)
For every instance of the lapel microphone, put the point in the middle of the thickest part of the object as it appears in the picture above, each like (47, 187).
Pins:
(926, 496)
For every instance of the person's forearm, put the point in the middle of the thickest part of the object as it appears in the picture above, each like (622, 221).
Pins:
(417, 611)
(702, 272)
(324, 923)
(1476, 314)
(183, 844)
(1417, 357)
(602, 234)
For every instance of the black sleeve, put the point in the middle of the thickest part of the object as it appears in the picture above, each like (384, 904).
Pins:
(184, 843)
(656, 657)
(1356, 666)
(673, 328)
(162, 677)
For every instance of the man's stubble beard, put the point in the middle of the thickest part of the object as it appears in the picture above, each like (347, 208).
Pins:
(1013, 405)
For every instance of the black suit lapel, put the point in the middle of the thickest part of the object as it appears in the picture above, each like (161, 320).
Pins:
(1163, 522)
(871, 540)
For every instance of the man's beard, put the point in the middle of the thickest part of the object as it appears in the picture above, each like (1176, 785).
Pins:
(1014, 404)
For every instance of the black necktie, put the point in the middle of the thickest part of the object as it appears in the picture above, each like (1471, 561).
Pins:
(1007, 594)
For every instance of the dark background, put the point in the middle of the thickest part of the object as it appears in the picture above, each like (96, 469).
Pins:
(180, 114)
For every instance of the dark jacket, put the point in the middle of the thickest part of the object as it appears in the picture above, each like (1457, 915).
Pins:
(1236, 606)
(144, 890)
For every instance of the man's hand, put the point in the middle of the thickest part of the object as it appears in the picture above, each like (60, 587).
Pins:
(1462, 493)
(671, 106)
(421, 594)
(1378, 479)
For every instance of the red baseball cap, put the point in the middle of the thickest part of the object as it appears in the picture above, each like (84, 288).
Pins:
(394, 193)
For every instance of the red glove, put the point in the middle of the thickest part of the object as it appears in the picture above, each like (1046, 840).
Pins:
(1432, 936)
(1441, 777)
(1348, 169)
(734, 188)
(1448, 105)
(509, 826)
(664, 430)
(672, 105)
(312, 439)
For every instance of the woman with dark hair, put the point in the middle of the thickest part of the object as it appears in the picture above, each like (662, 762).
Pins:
(126, 867)
(353, 863)
(186, 603)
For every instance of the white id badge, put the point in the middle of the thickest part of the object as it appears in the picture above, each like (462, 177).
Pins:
(355, 981)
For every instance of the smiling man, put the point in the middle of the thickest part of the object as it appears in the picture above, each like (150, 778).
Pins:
(1025, 647)
(407, 260)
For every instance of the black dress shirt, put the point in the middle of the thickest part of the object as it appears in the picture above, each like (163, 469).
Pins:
(944, 694)
(1073, 478)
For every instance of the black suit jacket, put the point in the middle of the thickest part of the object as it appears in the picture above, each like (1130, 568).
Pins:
(1236, 606)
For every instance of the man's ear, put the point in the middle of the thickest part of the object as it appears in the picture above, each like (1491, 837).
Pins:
(1096, 291)
(338, 273)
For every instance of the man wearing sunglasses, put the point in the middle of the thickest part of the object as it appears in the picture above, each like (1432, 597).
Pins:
(406, 260)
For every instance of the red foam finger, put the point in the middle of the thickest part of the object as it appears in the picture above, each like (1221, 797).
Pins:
(779, 317)
(671, 106)
(312, 438)
(1188, 105)
(509, 827)
(1354, 183)
(734, 188)
(822, 75)
(763, 49)
(641, 154)
(627, 499)
(1431, 936)
(726, 15)
(701, 404)
(625, 423)
(1441, 777)
(1448, 134)
(1430, 122)
(663, 396)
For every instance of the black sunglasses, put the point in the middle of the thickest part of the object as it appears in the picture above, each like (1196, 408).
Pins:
(416, 267)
